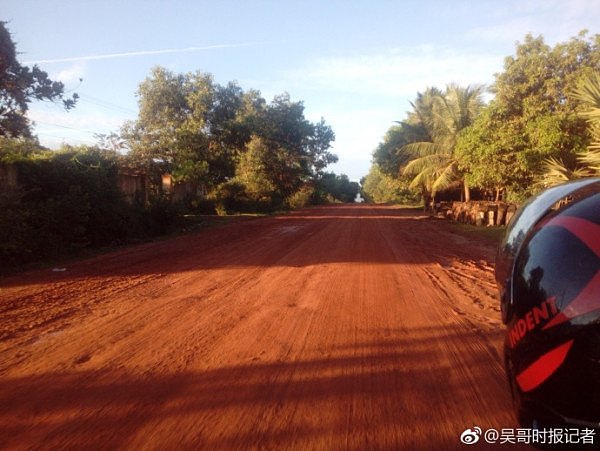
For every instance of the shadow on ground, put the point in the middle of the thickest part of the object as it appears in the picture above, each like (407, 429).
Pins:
(395, 393)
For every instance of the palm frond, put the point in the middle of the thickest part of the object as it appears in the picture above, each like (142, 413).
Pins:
(422, 179)
(434, 162)
(588, 92)
(557, 172)
(591, 159)
(446, 178)
(458, 107)
(422, 149)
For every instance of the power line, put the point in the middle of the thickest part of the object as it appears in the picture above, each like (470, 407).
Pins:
(51, 135)
(105, 104)
(65, 126)
(63, 139)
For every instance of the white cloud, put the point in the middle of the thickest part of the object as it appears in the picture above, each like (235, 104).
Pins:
(398, 72)
(361, 95)
(71, 74)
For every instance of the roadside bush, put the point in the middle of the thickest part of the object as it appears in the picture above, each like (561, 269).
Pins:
(160, 216)
(334, 188)
(227, 196)
(231, 197)
(380, 188)
(301, 198)
(70, 200)
(193, 204)
(15, 229)
(65, 201)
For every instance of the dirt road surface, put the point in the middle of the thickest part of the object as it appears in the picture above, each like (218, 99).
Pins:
(347, 327)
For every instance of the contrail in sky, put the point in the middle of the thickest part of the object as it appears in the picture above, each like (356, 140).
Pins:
(140, 53)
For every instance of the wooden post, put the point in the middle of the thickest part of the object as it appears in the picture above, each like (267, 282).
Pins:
(491, 217)
(510, 212)
(501, 214)
(467, 191)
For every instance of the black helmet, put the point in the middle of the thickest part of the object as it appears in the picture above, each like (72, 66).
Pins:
(548, 271)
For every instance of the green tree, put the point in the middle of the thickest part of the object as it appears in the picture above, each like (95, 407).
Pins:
(588, 93)
(252, 170)
(333, 187)
(318, 145)
(588, 161)
(434, 163)
(300, 147)
(378, 187)
(19, 85)
(533, 118)
(481, 154)
(208, 134)
(188, 125)
(17, 148)
(387, 155)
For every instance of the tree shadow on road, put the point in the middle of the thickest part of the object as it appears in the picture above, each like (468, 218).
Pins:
(324, 235)
(394, 393)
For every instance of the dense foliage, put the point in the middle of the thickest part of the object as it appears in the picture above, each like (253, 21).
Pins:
(533, 133)
(434, 163)
(331, 187)
(230, 149)
(226, 141)
(67, 200)
(380, 188)
(533, 118)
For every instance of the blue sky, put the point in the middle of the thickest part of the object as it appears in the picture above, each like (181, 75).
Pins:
(358, 64)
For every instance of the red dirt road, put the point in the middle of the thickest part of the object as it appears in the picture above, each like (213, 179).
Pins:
(347, 327)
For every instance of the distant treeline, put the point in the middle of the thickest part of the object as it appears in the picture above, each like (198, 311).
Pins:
(230, 143)
(541, 128)
(233, 152)
(57, 203)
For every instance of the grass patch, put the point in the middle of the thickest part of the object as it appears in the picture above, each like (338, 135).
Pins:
(393, 204)
(409, 207)
(494, 234)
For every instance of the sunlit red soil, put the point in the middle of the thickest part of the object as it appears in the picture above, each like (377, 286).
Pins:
(348, 327)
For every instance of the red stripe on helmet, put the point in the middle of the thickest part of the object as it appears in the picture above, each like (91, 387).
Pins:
(586, 301)
(586, 231)
(540, 370)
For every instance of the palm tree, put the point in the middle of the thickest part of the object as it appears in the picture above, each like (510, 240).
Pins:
(588, 92)
(434, 165)
(557, 172)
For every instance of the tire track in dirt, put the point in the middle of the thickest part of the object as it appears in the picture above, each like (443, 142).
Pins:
(336, 327)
